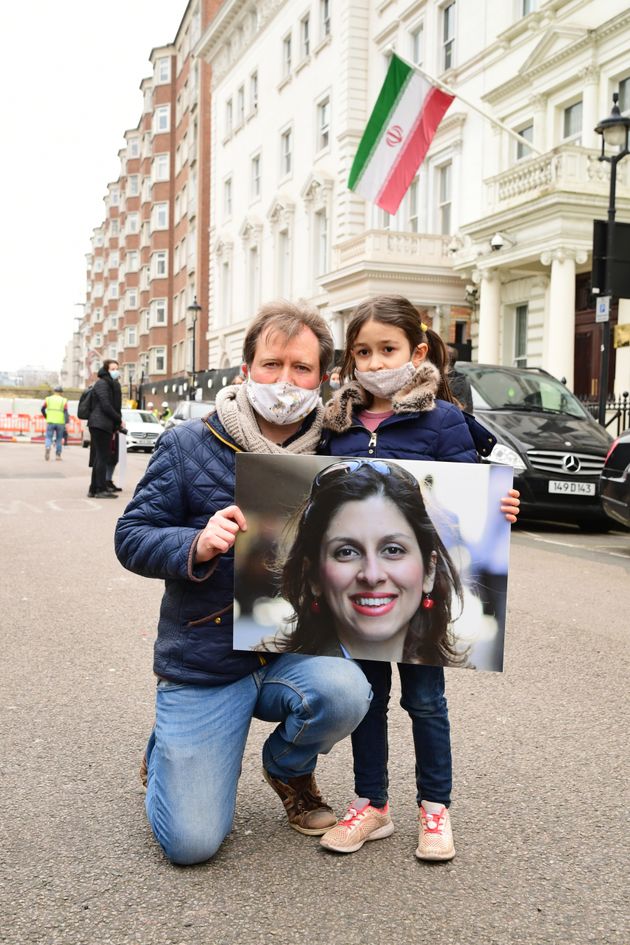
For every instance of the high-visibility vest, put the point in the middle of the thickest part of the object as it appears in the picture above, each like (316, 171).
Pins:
(55, 408)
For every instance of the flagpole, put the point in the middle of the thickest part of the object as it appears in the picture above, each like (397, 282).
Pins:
(475, 108)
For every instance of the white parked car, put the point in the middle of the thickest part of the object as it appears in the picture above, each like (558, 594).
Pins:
(143, 429)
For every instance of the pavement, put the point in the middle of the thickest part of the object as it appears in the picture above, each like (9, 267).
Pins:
(540, 756)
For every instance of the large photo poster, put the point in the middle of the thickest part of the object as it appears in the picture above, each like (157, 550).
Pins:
(393, 560)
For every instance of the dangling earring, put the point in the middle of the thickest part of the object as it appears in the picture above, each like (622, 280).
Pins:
(427, 601)
(315, 608)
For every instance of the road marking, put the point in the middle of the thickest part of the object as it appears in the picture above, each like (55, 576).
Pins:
(19, 507)
(569, 544)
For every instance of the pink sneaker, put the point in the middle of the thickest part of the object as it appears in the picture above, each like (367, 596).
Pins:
(436, 836)
(362, 822)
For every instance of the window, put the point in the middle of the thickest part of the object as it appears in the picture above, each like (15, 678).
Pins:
(159, 263)
(321, 247)
(624, 96)
(324, 18)
(159, 216)
(285, 153)
(114, 260)
(133, 147)
(133, 185)
(412, 206)
(323, 124)
(527, 7)
(226, 292)
(253, 92)
(520, 336)
(284, 265)
(240, 107)
(254, 278)
(255, 178)
(228, 117)
(444, 198)
(158, 357)
(114, 197)
(448, 36)
(160, 167)
(305, 36)
(522, 151)
(227, 197)
(286, 56)
(114, 227)
(161, 119)
(131, 298)
(133, 260)
(112, 291)
(416, 44)
(572, 122)
(163, 70)
(131, 339)
(157, 312)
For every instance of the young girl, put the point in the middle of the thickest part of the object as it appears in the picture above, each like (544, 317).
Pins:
(399, 405)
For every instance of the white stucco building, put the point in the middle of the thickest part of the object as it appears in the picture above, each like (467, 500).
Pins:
(293, 84)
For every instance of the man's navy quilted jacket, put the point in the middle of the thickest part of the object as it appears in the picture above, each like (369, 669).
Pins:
(190, 477)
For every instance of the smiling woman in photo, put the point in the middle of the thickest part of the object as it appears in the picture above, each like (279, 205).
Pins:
(367, 574)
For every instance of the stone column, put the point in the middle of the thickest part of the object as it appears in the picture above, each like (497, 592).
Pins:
(489, 315)
(622, 362)
(559, 340)
(589, 79)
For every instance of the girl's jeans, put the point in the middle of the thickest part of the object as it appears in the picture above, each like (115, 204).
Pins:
(196, 749)
(423, 698)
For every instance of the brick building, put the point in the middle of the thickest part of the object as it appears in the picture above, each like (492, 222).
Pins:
(149, 256)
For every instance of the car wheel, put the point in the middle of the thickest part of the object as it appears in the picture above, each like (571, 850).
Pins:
(595, 523)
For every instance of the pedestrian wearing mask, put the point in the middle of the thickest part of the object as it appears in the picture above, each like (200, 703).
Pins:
(180, 527)
(105, 419)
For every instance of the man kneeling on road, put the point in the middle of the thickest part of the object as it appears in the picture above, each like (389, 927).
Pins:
(181, 526)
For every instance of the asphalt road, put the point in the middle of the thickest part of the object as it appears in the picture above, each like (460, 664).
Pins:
(540, 751)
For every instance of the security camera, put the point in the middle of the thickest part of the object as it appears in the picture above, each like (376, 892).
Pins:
(497, 242)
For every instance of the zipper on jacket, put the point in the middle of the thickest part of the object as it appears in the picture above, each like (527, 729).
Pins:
(372, 443)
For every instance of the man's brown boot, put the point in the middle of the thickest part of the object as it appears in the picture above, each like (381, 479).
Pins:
(303, 803)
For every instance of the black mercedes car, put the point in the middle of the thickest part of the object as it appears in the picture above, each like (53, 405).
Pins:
(556, 448)
(614, 484)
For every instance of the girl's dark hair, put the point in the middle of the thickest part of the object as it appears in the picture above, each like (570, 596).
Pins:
(399, 311)
(107, 362)
(429, 637)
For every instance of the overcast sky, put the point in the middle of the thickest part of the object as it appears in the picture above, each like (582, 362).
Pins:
(71, 72)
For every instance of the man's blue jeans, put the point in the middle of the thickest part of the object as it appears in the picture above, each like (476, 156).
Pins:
(195, 751)
(55, 431)
(424, 700)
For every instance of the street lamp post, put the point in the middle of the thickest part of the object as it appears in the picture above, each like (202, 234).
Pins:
(194, 310)
(614, 131)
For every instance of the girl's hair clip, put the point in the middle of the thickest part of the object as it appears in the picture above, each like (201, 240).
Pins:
(424, 327)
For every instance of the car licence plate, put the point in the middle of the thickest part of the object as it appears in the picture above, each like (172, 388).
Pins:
(571, 488)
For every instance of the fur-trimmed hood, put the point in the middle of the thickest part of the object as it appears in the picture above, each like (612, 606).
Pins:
(415, 397)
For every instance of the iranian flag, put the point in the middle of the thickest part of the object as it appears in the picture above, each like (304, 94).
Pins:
(401, 127)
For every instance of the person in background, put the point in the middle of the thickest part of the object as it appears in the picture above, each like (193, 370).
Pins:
(165, 413)
(55, 409)
(104, 421)
(114, 446)
(335, 378)
(458, 382)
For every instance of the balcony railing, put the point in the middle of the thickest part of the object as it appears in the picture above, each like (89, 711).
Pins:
(393, 246)
(567, 167)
